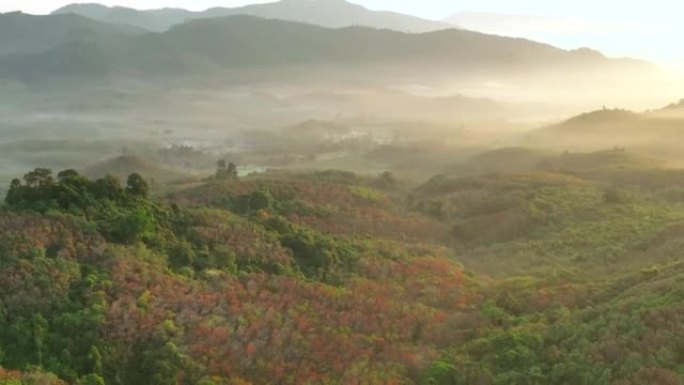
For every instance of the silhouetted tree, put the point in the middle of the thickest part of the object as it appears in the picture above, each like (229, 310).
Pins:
(16, 183)
(226, 170)
(221, 165)
(39, 177)
(232, 171)
(65, 175)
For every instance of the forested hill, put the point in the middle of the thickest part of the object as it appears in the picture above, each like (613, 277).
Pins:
(21, 33)
(657, 133)
(212, 46)
(561, 276)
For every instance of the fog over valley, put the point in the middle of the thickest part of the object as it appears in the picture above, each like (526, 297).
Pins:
(214, 79)
(322, 192)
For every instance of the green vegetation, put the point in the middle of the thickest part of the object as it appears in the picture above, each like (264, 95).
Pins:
(337, 278)
(323, 247)
(97, 279)
(542, 220)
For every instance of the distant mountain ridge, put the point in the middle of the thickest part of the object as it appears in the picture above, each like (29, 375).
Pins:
(325, 13)
(249, 42)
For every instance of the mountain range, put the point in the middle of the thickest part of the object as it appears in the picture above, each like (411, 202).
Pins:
(74, 45)
(325, 13)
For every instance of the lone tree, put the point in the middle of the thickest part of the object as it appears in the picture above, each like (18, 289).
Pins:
(232, 171)
(221, 165)
(136, 185)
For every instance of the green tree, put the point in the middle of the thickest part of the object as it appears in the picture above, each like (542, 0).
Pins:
(67, 175)
(108, 187)
(91, 379)
(39, 177)
(250, 203)
(16, 183)
(95, 359)
(441, 373)
(40, 329)
(159, 361)
(132, 226)
(136, 186)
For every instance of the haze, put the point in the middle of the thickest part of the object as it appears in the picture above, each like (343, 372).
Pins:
(320, 192)
(618, 28)
(146, 81)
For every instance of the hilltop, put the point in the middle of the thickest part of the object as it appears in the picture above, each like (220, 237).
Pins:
(655, 133)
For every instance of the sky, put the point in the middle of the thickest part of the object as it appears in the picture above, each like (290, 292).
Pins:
(648, 30)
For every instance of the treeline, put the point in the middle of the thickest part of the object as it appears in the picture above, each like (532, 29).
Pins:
(126, 214)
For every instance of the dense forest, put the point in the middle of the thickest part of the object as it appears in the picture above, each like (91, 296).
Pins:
(564, 272)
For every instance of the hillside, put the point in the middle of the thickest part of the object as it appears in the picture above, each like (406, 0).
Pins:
(308, 192)
(265, 273)
(563, 210)
(331, 277)
(522, 159)
(246, 42)
(21, 33)
(655, 133)
(325, 13)
(507, 159)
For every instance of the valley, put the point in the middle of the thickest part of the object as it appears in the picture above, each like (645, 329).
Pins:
(314, 192)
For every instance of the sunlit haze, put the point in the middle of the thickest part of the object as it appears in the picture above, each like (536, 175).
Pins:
(341, 192)
(617, 28)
